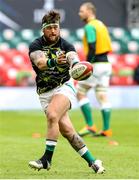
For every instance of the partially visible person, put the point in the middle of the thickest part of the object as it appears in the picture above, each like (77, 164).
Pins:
(51, 57)
(97, 45)
(136, 74)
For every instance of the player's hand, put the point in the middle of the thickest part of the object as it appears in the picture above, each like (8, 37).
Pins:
(61, 58)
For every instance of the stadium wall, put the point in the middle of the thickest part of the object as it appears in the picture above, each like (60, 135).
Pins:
(26, 99)
(17, 14)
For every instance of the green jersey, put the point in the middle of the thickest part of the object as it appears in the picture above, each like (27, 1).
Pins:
(51, 77)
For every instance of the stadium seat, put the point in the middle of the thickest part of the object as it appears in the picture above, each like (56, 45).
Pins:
(1, 60)
(72, 38)
(27, 35)
(14, 42)
(14, 60)
(65, 33)
(4, 46)
(79, 49)
(79, 33)
(131, 60)
(113, 58)
(23, 47)
(15, 68)
(133, 47)
(8, 34)
(6, 60)
(123, 68)
(116, 47)
(134, 32)
(9, 76)
(122, 81)
(120, 34)
(116, 33)
(10, 37)
(119, 47)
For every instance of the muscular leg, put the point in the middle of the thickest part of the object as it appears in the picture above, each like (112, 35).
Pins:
(102, 96)
(67, 130)
(86, 109)
(54, 113)
(85, 104)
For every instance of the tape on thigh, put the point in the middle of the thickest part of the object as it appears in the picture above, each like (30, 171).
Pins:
(81, 89)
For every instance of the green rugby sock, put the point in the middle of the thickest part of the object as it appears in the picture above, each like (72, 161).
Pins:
(87, 111)
(50, 147)
(85, 154)
(106, 113)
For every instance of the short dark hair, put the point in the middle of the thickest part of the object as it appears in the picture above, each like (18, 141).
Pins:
(52, 17)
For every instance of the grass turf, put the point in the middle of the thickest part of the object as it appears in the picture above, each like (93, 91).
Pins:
(18, 146)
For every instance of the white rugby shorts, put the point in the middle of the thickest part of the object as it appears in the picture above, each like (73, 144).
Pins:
(67, 89)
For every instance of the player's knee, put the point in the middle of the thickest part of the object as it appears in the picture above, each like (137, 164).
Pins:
(66, 134)
(103, 100)
(52, 117)
(101, 97)
(101, 94)
(80, 95)
(81, 91)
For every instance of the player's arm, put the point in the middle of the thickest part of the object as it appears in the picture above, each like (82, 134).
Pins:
(72, 58)
(91, 40)
(71, 54)
(42, 62)
(39, 59)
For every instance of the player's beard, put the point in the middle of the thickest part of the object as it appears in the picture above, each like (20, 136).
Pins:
(84, 19)
(51, 39)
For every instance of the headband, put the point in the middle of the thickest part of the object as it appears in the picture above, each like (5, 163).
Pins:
(45, 25)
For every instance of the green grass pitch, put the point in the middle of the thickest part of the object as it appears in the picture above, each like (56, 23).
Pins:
(18, 147)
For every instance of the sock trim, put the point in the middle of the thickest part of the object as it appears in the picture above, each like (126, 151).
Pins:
(83, 151)
(51, 142)
(83, 101)
(105, 106)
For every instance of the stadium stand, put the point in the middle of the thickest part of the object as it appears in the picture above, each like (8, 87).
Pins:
(16, 70)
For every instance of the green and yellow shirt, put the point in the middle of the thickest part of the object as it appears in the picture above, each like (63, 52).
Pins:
(52, 77)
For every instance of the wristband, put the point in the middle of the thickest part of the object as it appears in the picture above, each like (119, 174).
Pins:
(74, 63)
(51, 63)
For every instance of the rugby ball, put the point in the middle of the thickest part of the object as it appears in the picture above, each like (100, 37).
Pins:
(81, 71)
